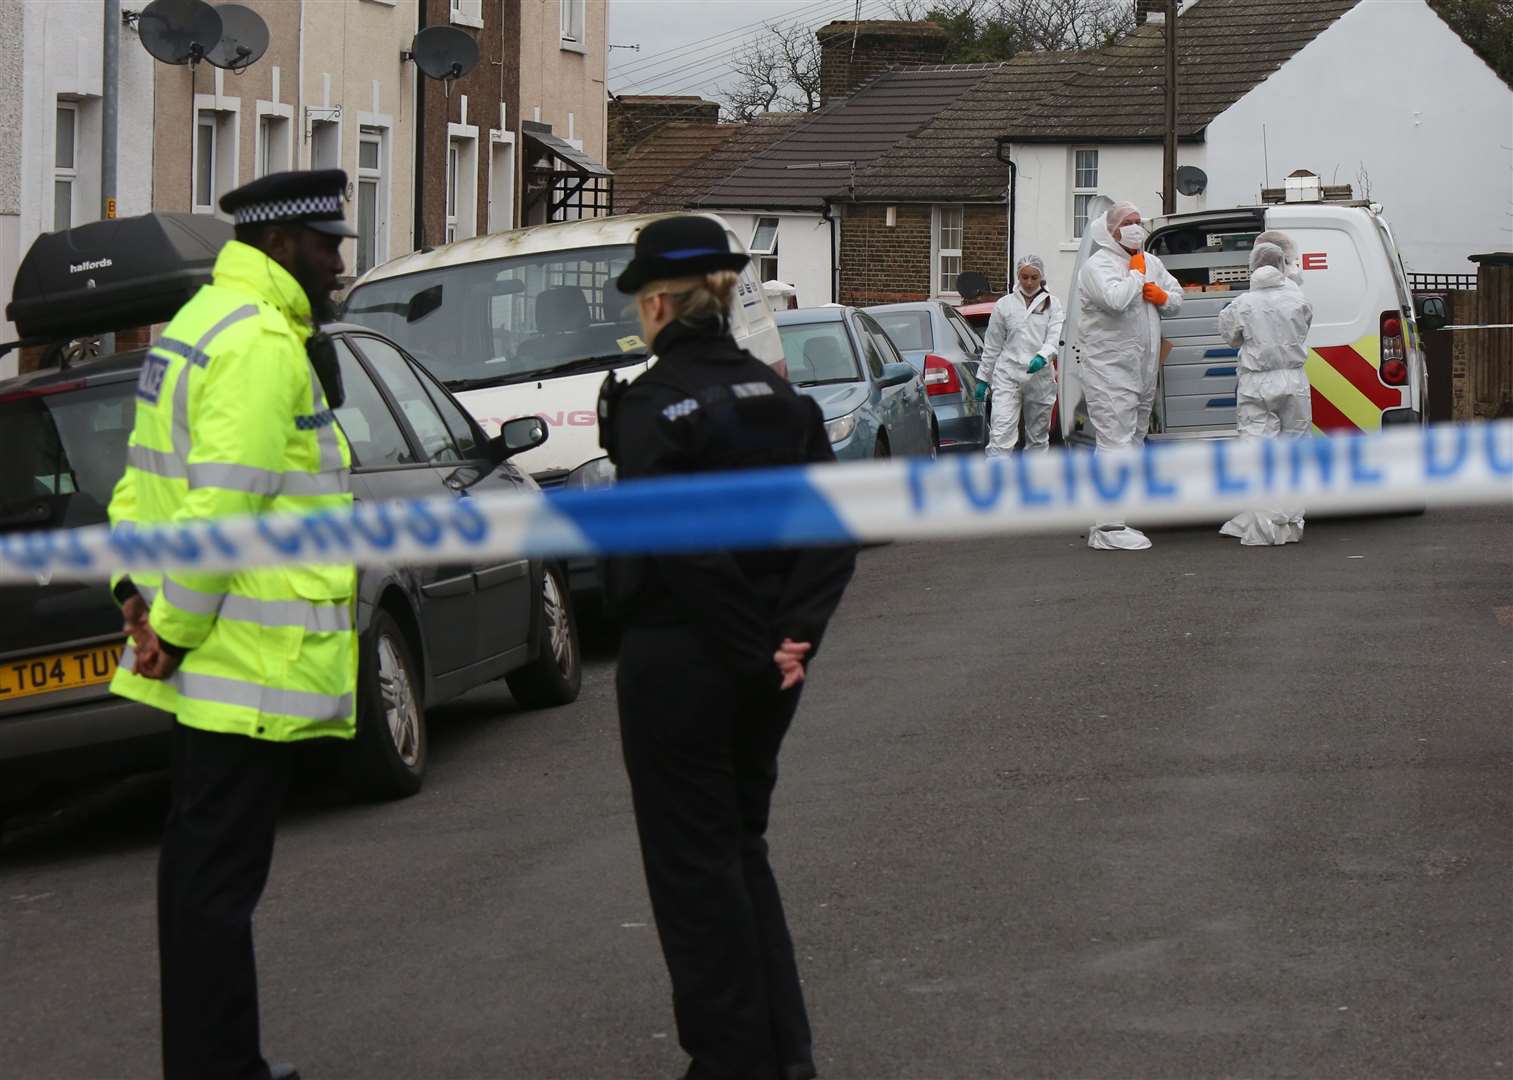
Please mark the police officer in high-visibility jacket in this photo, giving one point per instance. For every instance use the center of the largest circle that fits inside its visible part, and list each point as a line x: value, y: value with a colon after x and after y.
x: 234, y: 416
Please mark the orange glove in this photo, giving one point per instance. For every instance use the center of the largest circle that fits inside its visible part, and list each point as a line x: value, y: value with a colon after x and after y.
x: 1154, y: 294
x: 1137, y: 262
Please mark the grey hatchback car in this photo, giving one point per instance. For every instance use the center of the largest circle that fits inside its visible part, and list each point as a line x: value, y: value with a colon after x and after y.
x: 946, y: 351
x: 426, y: 633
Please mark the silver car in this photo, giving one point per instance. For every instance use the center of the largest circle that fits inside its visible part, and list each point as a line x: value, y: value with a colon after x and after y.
x: 874, y: 404
x: 946, y: 351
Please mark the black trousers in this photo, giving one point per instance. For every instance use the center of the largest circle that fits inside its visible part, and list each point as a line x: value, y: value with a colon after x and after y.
x: 217, y: 848
x: 702, y: 761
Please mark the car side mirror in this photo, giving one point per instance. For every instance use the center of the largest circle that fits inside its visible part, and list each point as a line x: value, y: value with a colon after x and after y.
x: 1433, y: 314
x: 522, y: 433
x: 896, y: 375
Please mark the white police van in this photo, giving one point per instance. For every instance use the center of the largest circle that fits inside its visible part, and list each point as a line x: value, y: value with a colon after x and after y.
x: 1366, y: 363
x: 528, y: 322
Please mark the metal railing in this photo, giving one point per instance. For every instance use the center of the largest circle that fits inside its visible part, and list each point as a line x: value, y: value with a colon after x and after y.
x: 1442, y: 282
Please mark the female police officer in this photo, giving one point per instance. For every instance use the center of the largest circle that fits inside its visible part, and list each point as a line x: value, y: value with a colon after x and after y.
x: 715, y: 646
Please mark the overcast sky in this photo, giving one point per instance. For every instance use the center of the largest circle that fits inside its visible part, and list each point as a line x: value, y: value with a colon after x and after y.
x: 686, y: 44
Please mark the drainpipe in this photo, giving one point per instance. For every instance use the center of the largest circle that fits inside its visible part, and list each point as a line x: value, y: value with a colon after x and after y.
x: 835, y: 254
x: 1003, y: 156
x: 110, y: 90
x: 420, y: 144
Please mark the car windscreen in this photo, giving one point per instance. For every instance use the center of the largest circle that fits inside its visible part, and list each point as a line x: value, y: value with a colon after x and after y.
x: 509, y: 320
x: 61, y: 454
x: 910, y: 330
x: 818, y: 353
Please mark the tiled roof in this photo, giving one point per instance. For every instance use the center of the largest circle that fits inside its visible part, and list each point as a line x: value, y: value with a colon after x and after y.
x: 664, y: 159
x: 680, y: 179
x: 858, y: 129
x: 955, y: 155
x: 1224, y: 49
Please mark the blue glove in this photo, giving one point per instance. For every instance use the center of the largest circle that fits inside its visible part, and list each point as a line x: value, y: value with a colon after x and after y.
x: 982, y: 390
x: 1037, y: 363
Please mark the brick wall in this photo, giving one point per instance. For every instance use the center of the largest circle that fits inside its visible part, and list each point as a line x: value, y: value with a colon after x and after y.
x: 634, y: 119
x: 883, y: 265
x: 985, y: 245
x: 879, y: 46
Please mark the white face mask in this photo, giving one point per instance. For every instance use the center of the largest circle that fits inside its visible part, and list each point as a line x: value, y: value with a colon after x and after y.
x: 1133, y: 236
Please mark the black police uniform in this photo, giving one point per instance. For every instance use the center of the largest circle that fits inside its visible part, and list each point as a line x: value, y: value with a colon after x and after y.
x: 227, y: 789
x: 701, y: 712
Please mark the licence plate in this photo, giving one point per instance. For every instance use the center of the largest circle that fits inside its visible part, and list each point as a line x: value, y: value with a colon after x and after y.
x: 58, y: 671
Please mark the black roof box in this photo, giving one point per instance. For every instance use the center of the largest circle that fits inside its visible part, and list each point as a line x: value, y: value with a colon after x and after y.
x: 113, y: 275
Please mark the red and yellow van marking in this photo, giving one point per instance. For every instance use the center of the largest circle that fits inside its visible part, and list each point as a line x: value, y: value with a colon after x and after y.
x: 1347, y: 392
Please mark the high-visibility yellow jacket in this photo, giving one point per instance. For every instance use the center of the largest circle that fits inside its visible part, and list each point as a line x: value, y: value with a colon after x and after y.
x: 231, y: 419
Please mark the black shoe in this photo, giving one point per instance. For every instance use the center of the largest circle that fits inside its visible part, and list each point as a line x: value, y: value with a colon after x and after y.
x: 282, y: 1072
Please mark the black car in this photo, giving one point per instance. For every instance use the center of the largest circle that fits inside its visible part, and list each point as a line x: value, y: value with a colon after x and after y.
x: 427, y: 633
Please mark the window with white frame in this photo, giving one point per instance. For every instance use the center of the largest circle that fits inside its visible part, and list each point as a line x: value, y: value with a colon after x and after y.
x: 1084, y: 187
x: 215, y: 134
x: 371, y: 198
x: 65, y: 165
x: 462, y: 187
x: 454, y: 167
x: 325, y: 144
x: 949, y: 227
x: 272, y: 144
x: 502, y: 183
x: 764, y: 248
x: 574, y: 16
x: 467, y: 12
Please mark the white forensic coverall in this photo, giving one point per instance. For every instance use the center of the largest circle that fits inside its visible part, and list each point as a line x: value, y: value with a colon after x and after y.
x: 1121, y: 353
x: 1269, y: 324
x: 1019, y: 329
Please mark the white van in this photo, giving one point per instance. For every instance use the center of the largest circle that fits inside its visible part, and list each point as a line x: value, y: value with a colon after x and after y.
x: 529, y: 322
x: 1366, y: 364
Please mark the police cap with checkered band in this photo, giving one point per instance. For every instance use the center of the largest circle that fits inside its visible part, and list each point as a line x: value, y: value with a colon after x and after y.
x: 312, y: 198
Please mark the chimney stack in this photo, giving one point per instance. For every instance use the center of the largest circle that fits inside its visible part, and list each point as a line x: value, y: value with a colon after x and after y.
x: 881, y: 45
x: 633, y: 118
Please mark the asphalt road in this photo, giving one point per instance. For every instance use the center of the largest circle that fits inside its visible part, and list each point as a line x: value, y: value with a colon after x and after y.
x: 1199, y: 811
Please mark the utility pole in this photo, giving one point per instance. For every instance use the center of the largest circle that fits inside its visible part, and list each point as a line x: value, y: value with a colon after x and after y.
x: 110, y: 88
x: 1169, y: 171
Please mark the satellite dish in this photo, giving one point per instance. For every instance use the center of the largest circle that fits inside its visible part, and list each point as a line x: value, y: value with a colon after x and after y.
x: 179, y: 31
x: 443, y: 52
x: 244, y: 38
x: 1191, y: 180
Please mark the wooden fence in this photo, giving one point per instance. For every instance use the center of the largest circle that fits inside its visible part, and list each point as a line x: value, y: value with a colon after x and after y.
x: 1482, y: 360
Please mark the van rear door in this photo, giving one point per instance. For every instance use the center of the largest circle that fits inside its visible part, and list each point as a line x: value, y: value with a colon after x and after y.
x: 1210, y: 254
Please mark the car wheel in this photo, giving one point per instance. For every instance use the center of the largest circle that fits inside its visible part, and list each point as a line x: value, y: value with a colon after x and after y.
x: 556, y: 675
x: 390, y: 751
x: 880, y: 448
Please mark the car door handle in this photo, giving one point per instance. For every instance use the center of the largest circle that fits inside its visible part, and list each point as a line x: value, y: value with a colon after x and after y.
x: 491, y: 577
x: 457, y: 586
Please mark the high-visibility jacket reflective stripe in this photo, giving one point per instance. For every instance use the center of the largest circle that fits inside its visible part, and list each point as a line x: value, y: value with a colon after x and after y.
x: 231, y: 419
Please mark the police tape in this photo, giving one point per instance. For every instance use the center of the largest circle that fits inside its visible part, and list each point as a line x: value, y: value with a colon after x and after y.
x: 1166, y: 482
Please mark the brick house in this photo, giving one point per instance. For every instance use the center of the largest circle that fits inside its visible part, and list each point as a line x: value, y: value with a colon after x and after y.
x: 785, y: 182
x: 1383, y: 95
x: 520, y: 139
x: 936, y: 204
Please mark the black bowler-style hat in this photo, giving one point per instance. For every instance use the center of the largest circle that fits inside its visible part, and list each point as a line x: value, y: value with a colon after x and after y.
x: 312, y: 198
x: 675, y: 247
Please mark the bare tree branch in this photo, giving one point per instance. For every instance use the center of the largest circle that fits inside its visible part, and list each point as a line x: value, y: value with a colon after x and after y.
x: 778, y: 72
x: 1068, y: 24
